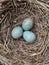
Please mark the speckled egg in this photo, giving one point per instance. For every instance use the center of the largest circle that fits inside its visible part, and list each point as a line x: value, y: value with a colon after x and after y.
x: 17, y: 32
x: 29, y: 36
x: 27, y: 24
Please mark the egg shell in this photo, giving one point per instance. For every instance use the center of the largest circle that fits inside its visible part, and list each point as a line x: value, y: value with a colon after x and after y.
x: 29, y: 36
x: 17, y: 32
x: 27, y: 24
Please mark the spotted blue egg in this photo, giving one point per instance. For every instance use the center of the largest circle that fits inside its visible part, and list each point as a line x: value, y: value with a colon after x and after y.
x: 27, y: 24
x: 17, y: 32
x: 29, y: 36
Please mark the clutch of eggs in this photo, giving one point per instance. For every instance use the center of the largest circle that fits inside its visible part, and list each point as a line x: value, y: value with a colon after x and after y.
x: 28, y: 36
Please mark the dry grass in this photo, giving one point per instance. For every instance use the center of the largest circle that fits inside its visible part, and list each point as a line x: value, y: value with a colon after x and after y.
x: 19, y: 52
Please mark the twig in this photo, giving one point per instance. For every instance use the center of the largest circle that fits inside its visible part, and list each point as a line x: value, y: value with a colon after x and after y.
x: 4, y: 18
x: 5, y: 44
x: 14, y: 3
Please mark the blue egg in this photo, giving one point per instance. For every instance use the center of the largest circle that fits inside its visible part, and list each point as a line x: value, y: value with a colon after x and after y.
x: 27, y: 24
x: 29, y: 36
x: 17, y: 32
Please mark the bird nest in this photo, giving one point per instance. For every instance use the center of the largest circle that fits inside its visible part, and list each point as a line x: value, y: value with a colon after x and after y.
x: 19, y: 52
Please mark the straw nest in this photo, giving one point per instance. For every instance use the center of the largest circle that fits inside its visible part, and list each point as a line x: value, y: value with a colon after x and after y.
x: 19, y: 52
